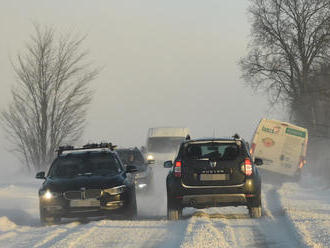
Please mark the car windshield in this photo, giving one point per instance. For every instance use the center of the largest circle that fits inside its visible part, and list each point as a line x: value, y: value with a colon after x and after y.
x: 213, y: 151
x: 97, y: 164
x: 164, y: 144
x: 130, y: 157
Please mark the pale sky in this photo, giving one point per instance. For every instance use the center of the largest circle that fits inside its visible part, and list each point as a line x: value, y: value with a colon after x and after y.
x: 166, y: 63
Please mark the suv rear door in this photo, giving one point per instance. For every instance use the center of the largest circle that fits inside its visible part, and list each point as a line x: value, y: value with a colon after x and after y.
x: 213, y: 163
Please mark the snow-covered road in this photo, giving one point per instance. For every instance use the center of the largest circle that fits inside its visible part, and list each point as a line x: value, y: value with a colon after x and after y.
x: 293, y: 217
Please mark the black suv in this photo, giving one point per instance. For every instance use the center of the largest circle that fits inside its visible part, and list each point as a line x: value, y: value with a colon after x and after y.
x: 213, y: 172
x: 87, y: 181
x: 144, y: 175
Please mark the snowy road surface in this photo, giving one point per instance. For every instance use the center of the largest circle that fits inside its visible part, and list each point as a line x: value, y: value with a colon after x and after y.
x: 293, y: 217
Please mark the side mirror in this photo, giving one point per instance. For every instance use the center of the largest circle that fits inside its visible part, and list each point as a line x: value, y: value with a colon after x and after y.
x: 258, y: 161
x: 168, y: 164
x: 40, y: 175
x: 131, y: 169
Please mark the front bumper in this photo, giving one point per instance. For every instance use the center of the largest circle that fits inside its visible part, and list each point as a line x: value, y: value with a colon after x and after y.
x: 61, y: 207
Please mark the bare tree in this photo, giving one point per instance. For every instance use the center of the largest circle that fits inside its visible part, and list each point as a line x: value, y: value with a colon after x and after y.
x: 290, y: 43
x: 50, y: 98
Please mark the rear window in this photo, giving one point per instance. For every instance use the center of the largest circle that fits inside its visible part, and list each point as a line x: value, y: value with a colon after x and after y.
x: 212, y: 150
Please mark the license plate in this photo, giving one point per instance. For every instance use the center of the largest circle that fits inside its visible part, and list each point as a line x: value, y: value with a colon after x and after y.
x: 214, y: 177
x: 85, y: 203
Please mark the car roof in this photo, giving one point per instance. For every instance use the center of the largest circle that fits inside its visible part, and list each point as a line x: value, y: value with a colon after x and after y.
x: 85, y: 151
x: 225, y: 139
x: 127, y: 149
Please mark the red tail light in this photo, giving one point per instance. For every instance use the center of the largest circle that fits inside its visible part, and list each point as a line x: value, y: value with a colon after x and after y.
x: 177, y: 169
x: 302, y: 162
x: 253, y: 148
x: 247, y: 167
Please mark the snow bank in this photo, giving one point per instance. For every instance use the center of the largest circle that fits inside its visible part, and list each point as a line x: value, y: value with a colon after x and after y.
x: 308, y: 208
x: 6, y: 225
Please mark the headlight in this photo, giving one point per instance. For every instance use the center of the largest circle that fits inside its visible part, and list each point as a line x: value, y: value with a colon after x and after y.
x: 47, y: 195
x: 150, y: 157
x: 116, y: 190
x: 141, y: 175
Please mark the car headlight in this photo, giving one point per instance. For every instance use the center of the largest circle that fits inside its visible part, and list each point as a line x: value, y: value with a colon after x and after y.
x: 141, y: 175
x: 116, y: 190
x: 48, y: 195
x: 150, y: 157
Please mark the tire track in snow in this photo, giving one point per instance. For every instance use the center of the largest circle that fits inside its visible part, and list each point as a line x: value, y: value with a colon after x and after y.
x: 73, y: 236
x: 53, y: 237
x: 275, y: 228
x: 202, y: 233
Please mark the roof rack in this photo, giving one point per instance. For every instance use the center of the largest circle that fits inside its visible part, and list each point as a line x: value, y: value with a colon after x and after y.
x: 109, y: 145
x: 236, y: 136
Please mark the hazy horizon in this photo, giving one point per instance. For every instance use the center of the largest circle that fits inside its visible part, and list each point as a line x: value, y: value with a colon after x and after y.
x: 172, y: 63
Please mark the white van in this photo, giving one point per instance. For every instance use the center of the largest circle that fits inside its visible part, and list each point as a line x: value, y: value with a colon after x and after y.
x: 282, y: 146
x: 162, y: 142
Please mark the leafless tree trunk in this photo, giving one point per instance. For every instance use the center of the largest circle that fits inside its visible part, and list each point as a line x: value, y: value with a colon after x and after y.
x: 50, y: 98
x: 290, y: 43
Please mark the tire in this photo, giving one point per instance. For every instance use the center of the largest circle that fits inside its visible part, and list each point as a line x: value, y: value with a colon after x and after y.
x: 173, y: 212
x: 255, y: 212
x: 255, y: 207
x: 132, y: 209
x: 47, y: 220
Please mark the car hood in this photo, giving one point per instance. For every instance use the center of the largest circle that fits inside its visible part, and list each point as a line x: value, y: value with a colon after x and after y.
x: 88, y: 182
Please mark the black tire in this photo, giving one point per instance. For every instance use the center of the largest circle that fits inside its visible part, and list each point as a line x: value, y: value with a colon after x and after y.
x: 255, y: 207
x: 132, y: 209
x: 174, y: 212
x: 47, y: 220
x: 255, y: 212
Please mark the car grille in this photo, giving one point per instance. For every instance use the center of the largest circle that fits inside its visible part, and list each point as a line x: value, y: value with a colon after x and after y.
x: 83, y: 194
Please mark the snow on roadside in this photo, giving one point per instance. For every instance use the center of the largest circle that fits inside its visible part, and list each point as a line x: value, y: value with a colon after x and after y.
x: 308, y: 208
x: 19, y: 201
x: 6, y: 225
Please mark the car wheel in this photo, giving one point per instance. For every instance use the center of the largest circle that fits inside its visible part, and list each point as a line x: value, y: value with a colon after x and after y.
x: 174, y: 212
x: 132, y: 209
x: 255, y: 212
x: 255, y: 207
x: 47, y: 220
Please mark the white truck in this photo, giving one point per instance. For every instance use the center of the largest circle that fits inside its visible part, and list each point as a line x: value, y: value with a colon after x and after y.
x: 282, y: 147
x: 163, y: 142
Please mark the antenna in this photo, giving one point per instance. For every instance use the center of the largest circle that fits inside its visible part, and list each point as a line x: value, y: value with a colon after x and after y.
x: 213, y: 132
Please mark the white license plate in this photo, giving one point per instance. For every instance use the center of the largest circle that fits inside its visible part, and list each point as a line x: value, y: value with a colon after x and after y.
x: 214, y: 177
x: 85, y: 203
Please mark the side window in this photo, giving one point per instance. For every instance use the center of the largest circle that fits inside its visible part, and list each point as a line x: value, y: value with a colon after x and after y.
x: 118, y: 161
x: 181, y: 150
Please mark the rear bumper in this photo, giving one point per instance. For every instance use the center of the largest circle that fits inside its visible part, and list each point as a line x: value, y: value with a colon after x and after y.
x: 210, y: 200
x: 202, y: 197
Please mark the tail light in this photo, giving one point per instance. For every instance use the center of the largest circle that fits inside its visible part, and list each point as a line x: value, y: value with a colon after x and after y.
x: 253, y: 148
x: 247, y: 167
x: 177, y: 169
x: 302, y: 162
